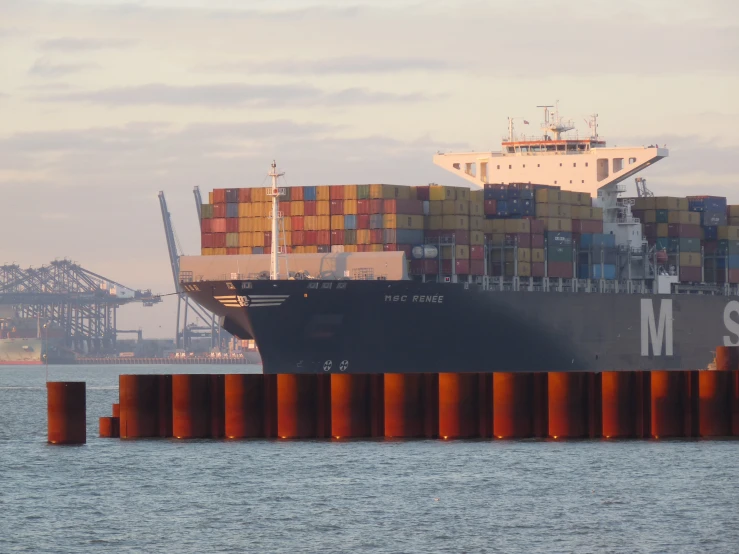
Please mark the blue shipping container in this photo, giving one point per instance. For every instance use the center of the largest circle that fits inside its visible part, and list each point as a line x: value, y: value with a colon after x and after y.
x: 232, y: 210
x: 583, y: 271
x: 501, y: 207
x: 257, y: 250
x: 712, y: 219
x: 711, y: 233
x: 350, y: 222
x: 558, y: 238
x: 402, y: 236
x: 586, y: 240
x: 309, y: 193
x: 376, y: 221
x: 609, y: 271
x: 601, y: 240
x: 707, y: 204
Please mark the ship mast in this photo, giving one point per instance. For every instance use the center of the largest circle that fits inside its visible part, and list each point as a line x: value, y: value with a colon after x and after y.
x: 275, y: 193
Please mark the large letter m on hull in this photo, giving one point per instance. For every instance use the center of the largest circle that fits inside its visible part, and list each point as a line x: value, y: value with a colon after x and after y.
x: 658, y: 333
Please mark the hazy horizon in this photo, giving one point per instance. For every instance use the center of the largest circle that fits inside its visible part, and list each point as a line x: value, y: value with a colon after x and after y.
x: 106, y: 103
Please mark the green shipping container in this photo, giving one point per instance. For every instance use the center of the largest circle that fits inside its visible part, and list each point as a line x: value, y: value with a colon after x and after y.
x: 232, y: 240
x: 206, y: 211
x: 683, y: 245
x: 363, y: 192
x: 559, y: 254
x: 662, y: 216
x: 728, y: 246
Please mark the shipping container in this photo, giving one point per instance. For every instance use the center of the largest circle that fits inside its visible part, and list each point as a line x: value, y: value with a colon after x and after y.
x: 687, y: 218
x: 557, y: 224
x: 690, y: 274
x: 523, y: 240
x: 681, y: 230
x: 363, y: 221
x: 456, y: 222
x: 690, y: 259
x: 350, y: 222
x: 713, y: 218
x: 559, y: 254
x: 206, y: 211
x: 350, y: 206
x: 558, y: 239
x: 402, y: 236
x: 707, y: 203
x: 666, y: 203
x: 537, y: 269
x: 336, y: 207
x: 409, y: 207
x: 537, y: 241
x: 560, y: 270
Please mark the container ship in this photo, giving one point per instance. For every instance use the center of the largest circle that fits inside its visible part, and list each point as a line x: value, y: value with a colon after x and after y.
x: 29, y: 341
x: 541, y: 264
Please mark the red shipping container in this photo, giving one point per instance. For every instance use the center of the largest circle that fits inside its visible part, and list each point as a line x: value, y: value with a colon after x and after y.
x: 399, y: 248
x: 218, y: 225
x: 298, y: 238
x: 710, y: 245
x: 462, y: 267
x: 424, y: 267
x: 336, y: 192
x: 219, y: 210
x: 423, y: 192
x: 560, y: 269
x: 219, y: 196
x: 284, y: 207
x: 309, y: 207
x: 460, y: 237
x: 219, y: 240
x: 337, y: 207
x: 323, y: 237
x: 405, y: 207
x: 691, y: 274
x: 491, y: 207
x: 268, y: 238
x: 595, y: 226
x: 376, y: 236
x: 432, y: 235
x: 375, y: 206
x: 537, y: 227
x: 363, y: 247
x: 734, y: 276
x: 244, y: 195
x: 232, y: 225
x: 537, y: 241
x: 337, y: 237
x: 296, y: 193
x: 363, y: 208
x: 683, y: 230
x: 537, y: 269
x: 524, y: 239
x: 232, y: 251
x: 206, y: 240
x: 205, y: 225
x: 297, y: 223
x: 363, y: 221
x: 650, y: 230
x: 311, y: 238
x: 577, y: 226
x: 477, y: 267
x: 267, y: 250
x: 477, y: 252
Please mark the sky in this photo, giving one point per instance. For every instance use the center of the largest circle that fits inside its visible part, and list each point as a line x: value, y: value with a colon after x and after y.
x: 105, y: 103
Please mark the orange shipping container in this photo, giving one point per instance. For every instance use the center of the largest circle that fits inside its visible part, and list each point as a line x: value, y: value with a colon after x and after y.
x: 323, y: 208
x: 310, y: 223
x: 210, y: 200
x: 311, y: 249
x: 350, y: 248
x: 257, y: 239
x: 244, y: 250
x: 363, y: 236
x: 337, y: 222
x: 219, y: 252
x: 350, y: 192
x: 350, y: 207
x: 244, y: 239
x: 297, y: 208
x: 323, y: 223
x: 323, y: 193
x: 259, y: 194
x: 206, y: 251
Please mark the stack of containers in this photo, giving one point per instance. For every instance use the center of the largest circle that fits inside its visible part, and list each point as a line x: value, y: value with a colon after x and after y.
x: 721, y: 238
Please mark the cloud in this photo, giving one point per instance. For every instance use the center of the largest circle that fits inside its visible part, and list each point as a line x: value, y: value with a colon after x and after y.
x: 44, y: 67
x: 335, y: 66
x: 71, y: 44
x: 229, y: 95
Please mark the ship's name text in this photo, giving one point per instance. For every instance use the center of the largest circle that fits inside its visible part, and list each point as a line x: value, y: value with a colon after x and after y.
x: 423, y: 298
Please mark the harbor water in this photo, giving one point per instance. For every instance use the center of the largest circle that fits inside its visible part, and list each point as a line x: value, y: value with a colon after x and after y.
x: 339, y: 496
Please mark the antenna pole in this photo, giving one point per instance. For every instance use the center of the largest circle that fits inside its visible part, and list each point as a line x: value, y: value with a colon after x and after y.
x: 275, y: 193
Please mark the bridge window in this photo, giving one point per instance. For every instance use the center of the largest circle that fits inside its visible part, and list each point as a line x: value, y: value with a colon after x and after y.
x: 560, y: 164
x: 498, y: 167
x: 602, y: 169
x: 632, y: 160
x: 538, y: 165
x: 455, y: 166
x: 574, y: 164
x: 586, y: 164
x: 510, y: 167
x: 618, y: 164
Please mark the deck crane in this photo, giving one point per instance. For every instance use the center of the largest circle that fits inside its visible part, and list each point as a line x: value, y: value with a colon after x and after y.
x: 198, y: 204
x: 185, y: 332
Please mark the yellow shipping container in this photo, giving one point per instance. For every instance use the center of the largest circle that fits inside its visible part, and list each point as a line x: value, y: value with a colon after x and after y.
x: 323, y: 223
x: 389, y: 192
x: 310, y: 223
x: 524, y: 269
x: 582, y: 199
x: 728, y: 232
x: 259, y: 194
x: 488, y: 225
x: 498, y: 225
x: 663, y: 230
x: 477, y: 223
x: 438, y: 192
x: 376, y: 247
x: 477, y: 238
x: 524, y: 254
x: 456, y: 222
x: 245, y: 209
x: 477, y: 208
x: 548, y: 196
x: 596, y: 214
x: 244, y: 239
x: 477, y: 196
x: 363, y: 236
x: 682, y: 204
x: 460, y: 252
x: 299, y: 250
x: 498, y: 239
x: 734, y: 220
x: 435, y: 222
x: 690, y: 259
x: 554, y: 210
x: 732, y: 210
x: 311, y: 249
x: 350, y: 207
x: 567, y: 197
x: 455, y: 207
x: 287, y: 224
x: 463, y: 193
x: 323, y: 193
x: 323, y: 208
x: 666, y: 203
x: 210, y: 201
x: 337, y: 222
x: 436, y: 207
x: 206, y: 251
x: 350, y: 248
x: 245, y: 250
x: 399, y: 221
x: 517, y: 225
x: 350, y: 193
x: 286, y: 237
x: 537, y: 255
x: 219, y: 252
x: 297, y: 208
x: 686, y: 218
x: 650, y: 216
x: 257, y: 239
x: 557, y: 224
x: 244, y: 225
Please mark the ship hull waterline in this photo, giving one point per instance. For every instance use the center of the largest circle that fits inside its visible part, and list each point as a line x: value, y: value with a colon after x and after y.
x: 410, y: 327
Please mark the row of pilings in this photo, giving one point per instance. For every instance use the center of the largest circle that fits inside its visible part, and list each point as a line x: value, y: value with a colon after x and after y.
x: 657, y: 404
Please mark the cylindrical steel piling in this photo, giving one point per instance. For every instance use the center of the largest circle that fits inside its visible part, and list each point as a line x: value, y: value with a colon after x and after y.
x: 109, y: 427
x: 619, y: 406
x: 139, y: 406
x: 715, y: 403
x: 727, y: 358
x: 568, y: 405
x: 297, y: 403
x: 116, y: 410
x: 164, y: 382
x: 513, y: 395
x: 404, y: 410
x: 351, y: 405
x: 191, y: 406
x: 66, y: 412
x: 217, y: 406
x: 244, y: 406
x: 458, y: 397
x: 668, y: 406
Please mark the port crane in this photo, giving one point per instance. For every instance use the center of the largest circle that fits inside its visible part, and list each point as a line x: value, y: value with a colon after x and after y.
x: 184, y: 332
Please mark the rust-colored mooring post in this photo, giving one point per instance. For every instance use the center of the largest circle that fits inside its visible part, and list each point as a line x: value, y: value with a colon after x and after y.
x: 404, y: 409
x: 66, y: 405
x: 116, y: 411
x: 244, y: 406
x: 668, y: 404
x: 715, y: 403
x: 191, y: 397
x: 568, y: 405
x: 727, y: 358
x: 109, y: 427
x: 297, y: 406
x: 351, y: 405
x: 458, y: 401
x: 619, y: 404
x: 513, y: 396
